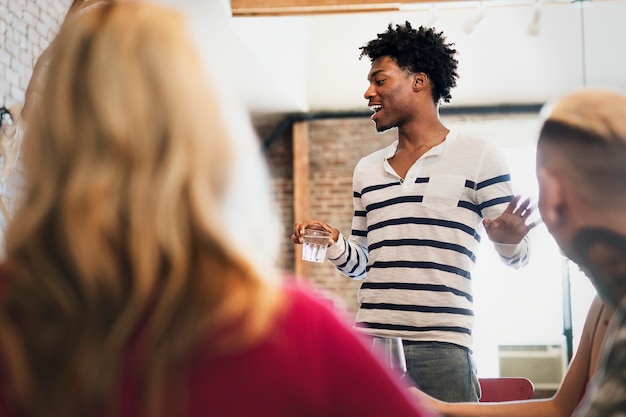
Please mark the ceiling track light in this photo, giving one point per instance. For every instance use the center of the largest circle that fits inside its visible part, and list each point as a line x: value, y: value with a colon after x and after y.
x: 470, y: 25
x: 534, y: 27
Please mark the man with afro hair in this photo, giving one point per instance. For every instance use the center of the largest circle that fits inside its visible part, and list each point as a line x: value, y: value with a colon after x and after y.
x: 420, y: 205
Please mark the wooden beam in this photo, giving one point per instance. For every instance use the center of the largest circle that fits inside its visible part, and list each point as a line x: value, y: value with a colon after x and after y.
x: 291, y: 7
x: 301, y: 189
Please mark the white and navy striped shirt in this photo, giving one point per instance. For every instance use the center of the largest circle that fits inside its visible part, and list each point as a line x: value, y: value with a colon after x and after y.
x: 414, y: 241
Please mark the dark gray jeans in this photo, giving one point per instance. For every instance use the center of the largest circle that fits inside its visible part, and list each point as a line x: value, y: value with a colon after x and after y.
x: 443, y: 370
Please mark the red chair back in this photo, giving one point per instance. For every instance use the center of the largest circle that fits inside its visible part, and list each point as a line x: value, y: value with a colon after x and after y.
x: 505, y: 389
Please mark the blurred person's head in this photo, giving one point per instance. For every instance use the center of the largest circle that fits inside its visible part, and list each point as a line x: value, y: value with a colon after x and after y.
x: 581, y: 170
x: 124, y: 231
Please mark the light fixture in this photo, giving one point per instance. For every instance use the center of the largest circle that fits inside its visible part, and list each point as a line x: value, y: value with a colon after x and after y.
x: 534, y: 27
x: 469, y: 26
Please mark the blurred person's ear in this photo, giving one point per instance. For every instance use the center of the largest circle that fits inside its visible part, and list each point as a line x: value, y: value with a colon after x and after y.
x: 551, y: 199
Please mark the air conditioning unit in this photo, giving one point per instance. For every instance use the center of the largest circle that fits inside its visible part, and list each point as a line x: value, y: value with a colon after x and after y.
x: 544, y: 365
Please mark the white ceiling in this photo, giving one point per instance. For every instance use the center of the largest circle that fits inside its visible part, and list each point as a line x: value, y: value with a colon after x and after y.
x: 295, y: 64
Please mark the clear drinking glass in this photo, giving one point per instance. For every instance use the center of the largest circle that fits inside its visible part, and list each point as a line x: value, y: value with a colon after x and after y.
x: 391, y: 351
x: 314, y: 244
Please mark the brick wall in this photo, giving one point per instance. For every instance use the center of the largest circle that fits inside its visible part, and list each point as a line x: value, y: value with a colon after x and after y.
x: 336, y: 145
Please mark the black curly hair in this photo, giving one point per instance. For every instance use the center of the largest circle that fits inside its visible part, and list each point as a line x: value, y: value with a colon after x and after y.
x: 421, y: 50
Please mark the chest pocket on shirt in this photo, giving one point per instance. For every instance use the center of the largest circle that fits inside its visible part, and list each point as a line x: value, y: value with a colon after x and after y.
x: 443, y: 191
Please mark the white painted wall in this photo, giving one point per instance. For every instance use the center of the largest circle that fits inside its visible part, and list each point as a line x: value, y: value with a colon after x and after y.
x: 500, y: 62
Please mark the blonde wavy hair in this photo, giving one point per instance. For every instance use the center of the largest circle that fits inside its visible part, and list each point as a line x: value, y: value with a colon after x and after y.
x: 121, y: 233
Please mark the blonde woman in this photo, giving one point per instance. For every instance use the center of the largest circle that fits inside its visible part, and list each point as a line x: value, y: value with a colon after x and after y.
x: 125, y: 292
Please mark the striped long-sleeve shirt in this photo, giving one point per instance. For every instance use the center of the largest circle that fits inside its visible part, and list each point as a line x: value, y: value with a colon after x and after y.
x: 414, y: 240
